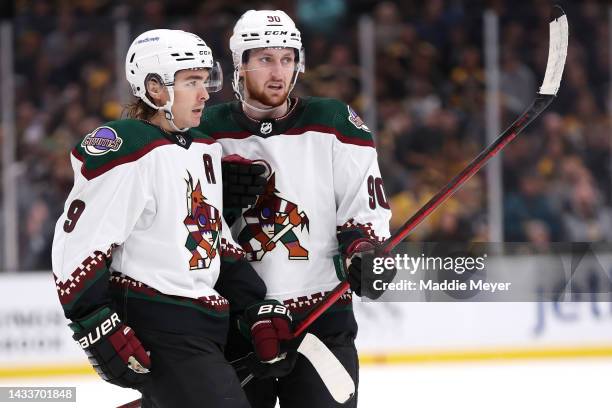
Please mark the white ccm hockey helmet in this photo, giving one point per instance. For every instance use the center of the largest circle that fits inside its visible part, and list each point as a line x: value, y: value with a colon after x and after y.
x: 264, y: 29
x: 162, y: 53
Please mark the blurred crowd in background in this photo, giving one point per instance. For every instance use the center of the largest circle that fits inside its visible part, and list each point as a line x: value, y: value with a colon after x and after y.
x: 430, y: 100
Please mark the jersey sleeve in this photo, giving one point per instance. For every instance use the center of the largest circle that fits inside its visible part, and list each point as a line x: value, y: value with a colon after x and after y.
x: 99, y: 214
x: 238, y: 282
x: 362, y: 209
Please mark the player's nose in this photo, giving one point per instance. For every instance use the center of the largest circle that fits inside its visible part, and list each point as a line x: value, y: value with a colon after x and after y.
x: 277, y: 69
x: 203, y: 95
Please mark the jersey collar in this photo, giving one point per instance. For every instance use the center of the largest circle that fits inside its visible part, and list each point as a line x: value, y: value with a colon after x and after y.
x: 271, y: 126
x: 182, y: 139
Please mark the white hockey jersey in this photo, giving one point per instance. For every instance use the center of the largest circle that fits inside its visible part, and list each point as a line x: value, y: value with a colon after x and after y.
x: 324, y: 186
x: 146, y: 206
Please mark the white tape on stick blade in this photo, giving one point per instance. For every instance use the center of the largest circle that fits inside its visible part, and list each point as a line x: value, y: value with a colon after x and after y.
x: 332, y: 372
x: 557, y: 52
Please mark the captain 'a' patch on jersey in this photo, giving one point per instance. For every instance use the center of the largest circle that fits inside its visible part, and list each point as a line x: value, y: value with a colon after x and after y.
x: 272, y: 221
x: 204, y: 225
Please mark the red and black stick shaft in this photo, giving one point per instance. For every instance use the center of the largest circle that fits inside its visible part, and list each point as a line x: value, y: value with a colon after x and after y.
x: 537, y: 107
x: 541, y: 102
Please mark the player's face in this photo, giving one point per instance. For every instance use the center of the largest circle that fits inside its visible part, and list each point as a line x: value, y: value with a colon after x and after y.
x: 190, y: 96
x: 268, y: 74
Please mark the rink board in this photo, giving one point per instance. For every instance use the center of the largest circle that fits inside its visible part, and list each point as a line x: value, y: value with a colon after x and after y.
x: 35, y: 340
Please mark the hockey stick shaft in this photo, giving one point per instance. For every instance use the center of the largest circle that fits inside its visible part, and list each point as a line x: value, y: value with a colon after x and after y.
x: 557, y: 54
x: 538, y: 106
x: 133, y: 404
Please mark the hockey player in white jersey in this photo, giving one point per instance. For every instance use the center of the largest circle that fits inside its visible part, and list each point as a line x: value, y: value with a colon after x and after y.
x: 144, y: 264
x: 323, y: 196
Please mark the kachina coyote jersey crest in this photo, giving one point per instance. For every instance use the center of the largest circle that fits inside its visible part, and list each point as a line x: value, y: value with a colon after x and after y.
x: 271, y: 223
x: 204, y: 224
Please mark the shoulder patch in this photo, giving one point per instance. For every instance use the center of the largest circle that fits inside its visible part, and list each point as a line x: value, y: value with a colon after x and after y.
x: 328, y: 115
x: 101, y: 141
x: 354, y: 118
x: 116, y: 143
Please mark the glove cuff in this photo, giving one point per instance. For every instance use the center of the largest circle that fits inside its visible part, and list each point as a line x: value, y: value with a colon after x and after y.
x: 360, y: 245
x: 91, y: 320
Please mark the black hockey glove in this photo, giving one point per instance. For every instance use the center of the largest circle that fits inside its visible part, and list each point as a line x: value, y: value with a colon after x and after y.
x: 113, y: 349
x: 269, y: 323
x: 359, y: 271
x: 243, y: 181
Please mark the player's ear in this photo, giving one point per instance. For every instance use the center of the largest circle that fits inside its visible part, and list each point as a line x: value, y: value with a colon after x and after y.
x: 155, y: 89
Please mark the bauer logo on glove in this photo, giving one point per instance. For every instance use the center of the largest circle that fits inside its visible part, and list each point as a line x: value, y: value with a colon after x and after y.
x: 269, y: 323
x: 113, y: 349
x: 100, y: 330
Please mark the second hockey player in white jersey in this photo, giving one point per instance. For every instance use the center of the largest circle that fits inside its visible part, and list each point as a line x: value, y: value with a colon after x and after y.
x: 323, y: 194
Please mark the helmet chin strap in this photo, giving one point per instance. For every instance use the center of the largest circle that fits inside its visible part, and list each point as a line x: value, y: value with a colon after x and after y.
x: 237, y: 91
x: 166, y: 109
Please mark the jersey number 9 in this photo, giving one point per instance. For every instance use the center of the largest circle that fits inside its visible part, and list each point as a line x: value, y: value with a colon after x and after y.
x: 73, y: 214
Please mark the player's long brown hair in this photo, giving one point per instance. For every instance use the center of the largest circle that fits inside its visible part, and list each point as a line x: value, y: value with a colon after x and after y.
x: 139, y: 110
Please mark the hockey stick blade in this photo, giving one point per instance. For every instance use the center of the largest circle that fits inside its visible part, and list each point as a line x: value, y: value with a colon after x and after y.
x: 333, y: 374
x: 557, y: 54
x: 335, y: 377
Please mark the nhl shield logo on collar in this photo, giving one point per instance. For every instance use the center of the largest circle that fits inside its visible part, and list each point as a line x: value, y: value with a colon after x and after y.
x: 266, y: 128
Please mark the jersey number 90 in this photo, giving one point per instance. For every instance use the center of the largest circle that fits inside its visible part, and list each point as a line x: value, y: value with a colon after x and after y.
x: 376, y: 193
